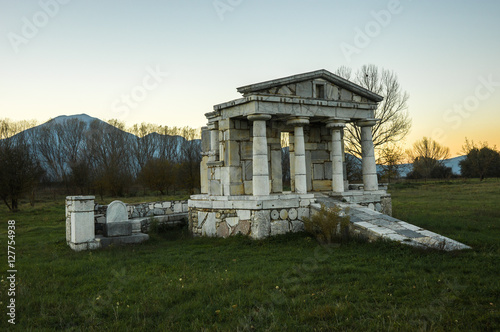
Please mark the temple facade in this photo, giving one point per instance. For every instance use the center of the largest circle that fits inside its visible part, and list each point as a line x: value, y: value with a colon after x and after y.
x: 241, y: 168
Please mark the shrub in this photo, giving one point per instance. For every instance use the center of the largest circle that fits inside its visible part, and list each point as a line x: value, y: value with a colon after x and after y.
x: 328, y: 225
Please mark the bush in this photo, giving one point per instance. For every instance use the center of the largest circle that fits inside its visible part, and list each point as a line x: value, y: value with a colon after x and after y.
x: 328, y: 225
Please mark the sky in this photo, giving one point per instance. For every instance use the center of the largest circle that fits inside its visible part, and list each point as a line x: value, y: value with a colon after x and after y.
x: 168, y: 62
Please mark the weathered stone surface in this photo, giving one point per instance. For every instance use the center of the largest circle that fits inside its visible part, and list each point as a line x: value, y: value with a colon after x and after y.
x: 223, y: 230
x: 261, y: 225
x: 243, y: 227
x: 297, y: 226
x: 243, y: 214
x: 279, y: 227
x: 292, y: 214
x: 118, y: 228
x: 318, y: 172
x: 283, y: 214
x: 208, y: 228
x: 275, y: 214
x: 117, y: 212
x: 232, y: 221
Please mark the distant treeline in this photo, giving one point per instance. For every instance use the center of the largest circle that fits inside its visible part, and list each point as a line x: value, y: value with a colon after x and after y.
x: 97, y: 158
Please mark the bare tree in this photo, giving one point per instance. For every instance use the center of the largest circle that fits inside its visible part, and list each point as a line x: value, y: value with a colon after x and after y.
x: 427, y: 154
x: 190, y: 158
x: 145, y: 145
x: 108, y: 155
x: 391, y: 157
x: 49, y: 151
x: 20, y: 172
x: 394, y: 123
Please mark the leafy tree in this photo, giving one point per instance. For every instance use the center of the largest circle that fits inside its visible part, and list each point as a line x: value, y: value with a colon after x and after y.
x: 481, y: 161
x: 394, y: 123
x: 20, y: 172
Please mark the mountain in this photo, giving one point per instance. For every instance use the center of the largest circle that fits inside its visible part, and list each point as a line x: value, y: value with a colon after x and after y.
x: 453, y: 163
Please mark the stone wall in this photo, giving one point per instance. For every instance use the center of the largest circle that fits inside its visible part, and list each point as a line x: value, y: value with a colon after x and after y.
x: 150, y: 209
x: 257, y: 218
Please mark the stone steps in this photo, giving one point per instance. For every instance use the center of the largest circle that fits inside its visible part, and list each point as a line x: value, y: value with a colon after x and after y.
x: 375, y: 225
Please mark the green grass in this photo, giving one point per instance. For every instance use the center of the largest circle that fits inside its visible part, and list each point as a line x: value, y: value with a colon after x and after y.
x: 175, y: 282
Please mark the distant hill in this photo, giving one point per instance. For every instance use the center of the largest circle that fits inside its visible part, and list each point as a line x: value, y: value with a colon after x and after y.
x: 453, y: 163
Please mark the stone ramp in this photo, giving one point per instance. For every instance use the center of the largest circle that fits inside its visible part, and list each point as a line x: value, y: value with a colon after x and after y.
x: 375, y: 225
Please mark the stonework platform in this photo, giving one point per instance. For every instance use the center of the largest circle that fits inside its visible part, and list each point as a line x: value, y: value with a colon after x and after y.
x: 375, y: 225
x: 135, y: 238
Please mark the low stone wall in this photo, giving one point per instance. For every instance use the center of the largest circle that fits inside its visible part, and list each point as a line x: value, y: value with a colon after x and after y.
x: 149, y: 209
x: 253, y: 216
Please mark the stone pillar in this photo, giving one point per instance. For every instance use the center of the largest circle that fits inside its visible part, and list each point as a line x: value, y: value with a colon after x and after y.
x: 300, y: 154
x: 337, y: 154
x: 80, y: 229
x: 214, y: 141
x: 369, y: 166
x: 260, y: 163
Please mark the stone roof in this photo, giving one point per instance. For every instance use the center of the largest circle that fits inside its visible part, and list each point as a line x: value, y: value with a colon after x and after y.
x: 318, y: 74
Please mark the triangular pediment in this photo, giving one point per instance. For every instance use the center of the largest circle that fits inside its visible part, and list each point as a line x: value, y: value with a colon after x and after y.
x: 319, y: 84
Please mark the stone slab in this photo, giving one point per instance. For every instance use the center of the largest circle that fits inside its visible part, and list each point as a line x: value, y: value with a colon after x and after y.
x: 122, y: 228
x: 121, y: 240
x: 116, y: 212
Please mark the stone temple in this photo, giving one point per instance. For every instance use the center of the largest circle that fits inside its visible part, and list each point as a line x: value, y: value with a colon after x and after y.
x: 241, y: 168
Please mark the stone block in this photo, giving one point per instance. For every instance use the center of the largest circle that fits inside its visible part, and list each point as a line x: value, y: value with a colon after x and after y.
x: 247, y: 170
x: 208, y: 228
x: 279, y: 227
x: 82, y: 228
x: 318, y: 172
x: 248, y: 186
x: 117, y: 212
x: 243, y: 214
x: 232, y: 152
x: 238, y: 135
x: 297, y: 226
x: 261, y: 225
x: 232, y: 221
x: 223, y: 230
x: 328, y: 170
x: 303, y: 213
x: 158, y: 212
x: 314, y: 135
x: 215, y: 188
x: 322, y: 185
x: 246, y: 150
x: 118, y: 228
x: 243, y: 228
x: 280, y: 203
x: 320, y: 155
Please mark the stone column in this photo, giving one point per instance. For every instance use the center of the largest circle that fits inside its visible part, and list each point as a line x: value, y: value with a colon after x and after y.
x: 369, y: 166
x: 300, y: 153
x: 337, y: 127
x: 80, y: 233
x: 260, y: 163
x: 214, y: 141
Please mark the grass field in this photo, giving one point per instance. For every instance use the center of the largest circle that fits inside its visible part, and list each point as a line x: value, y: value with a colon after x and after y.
x: 176, y: 283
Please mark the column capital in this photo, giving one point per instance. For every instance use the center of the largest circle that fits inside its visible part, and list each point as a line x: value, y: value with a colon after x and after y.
x: 367, y: 122
x: 259, y: 117
x: 336, y: 123
x: 298, y: 121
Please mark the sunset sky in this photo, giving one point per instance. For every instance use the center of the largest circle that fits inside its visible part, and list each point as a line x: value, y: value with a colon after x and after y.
x: 168, y: 62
